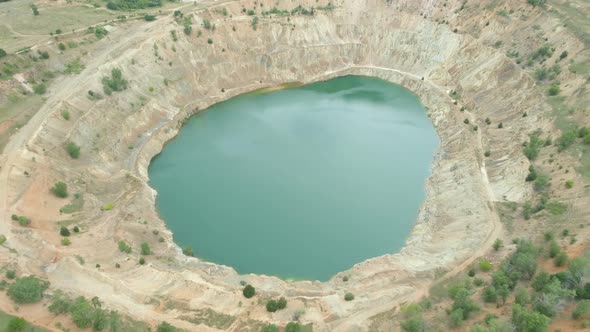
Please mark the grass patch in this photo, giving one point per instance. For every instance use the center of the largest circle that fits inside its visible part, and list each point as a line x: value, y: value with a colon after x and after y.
x: 556, y: 208
x: 6, y: 318
x: 210, y: 318
x: 74, y: 206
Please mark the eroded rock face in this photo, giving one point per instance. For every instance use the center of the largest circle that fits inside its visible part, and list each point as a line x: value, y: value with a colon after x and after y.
x: 119, y: 135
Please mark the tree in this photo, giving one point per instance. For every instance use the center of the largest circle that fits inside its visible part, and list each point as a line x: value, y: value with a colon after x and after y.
x: 552, y: 298
x: 61, y: 46
x: 60, y: 190
x: 82, y: 313
x: 248, y: 291
x: 348, y: 297
x: 462, y: 300
x: 60, y: 303
x: 2, y: 53
x: 16, y: 324
x: 73, y: 150
x: 27, y: 290
x: 529, y: 321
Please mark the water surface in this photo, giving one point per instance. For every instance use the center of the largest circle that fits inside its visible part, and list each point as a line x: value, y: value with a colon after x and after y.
x: 300, y: 183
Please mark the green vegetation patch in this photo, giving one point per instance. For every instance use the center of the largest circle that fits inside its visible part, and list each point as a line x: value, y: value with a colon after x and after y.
x: 74, y: 206
x: 133, y: 4
x: 210, y: 318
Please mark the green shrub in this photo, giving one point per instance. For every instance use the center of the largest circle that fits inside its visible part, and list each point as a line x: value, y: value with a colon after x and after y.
x: 124, y: 247
x: 73, y: 150
x: 561, y: 259
x: 456, y: 318
x: 525, y: 320
x: 569, y: 184
x: 145, y: 249
x: 60, y: 189
x: 141, y: 261
x: 66, y: 241
x: 554, y: 90
x: 40, y: 89
x: 60, y: 303
x: 554, y: 249
x: 2, y: 53
x: 132, y: 4
x: 27, y: 290
x: 498, y: 244
x: 64, y: 231
x: 76, y: 229
x: 115, y: 83
x: 188, y: 251
x: 107, y: 207
x: 541, y: 182
x: 22, y: 220
x: 522, y: 297
x: 566, y: 139
x: 548, y: 236
x: 61, y: 46
x: 100, y: 32
x: 532, y: 147
x: 209, y: 41
x: 248, y: 291
x: 281, y: 303
x: 271, y: 306
x: 16, y: 324
x: 149, y: 17
x: 478, y: 282
x: 485, y: 265
x: 65, y: 115
x: 165, y: 327
x: 582, y: 308
x: 348, y: 297
x: 489, y: 294
x: 294, y: 327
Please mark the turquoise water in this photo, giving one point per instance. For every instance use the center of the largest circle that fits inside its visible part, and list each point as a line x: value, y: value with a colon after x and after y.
x: 300, y: 183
